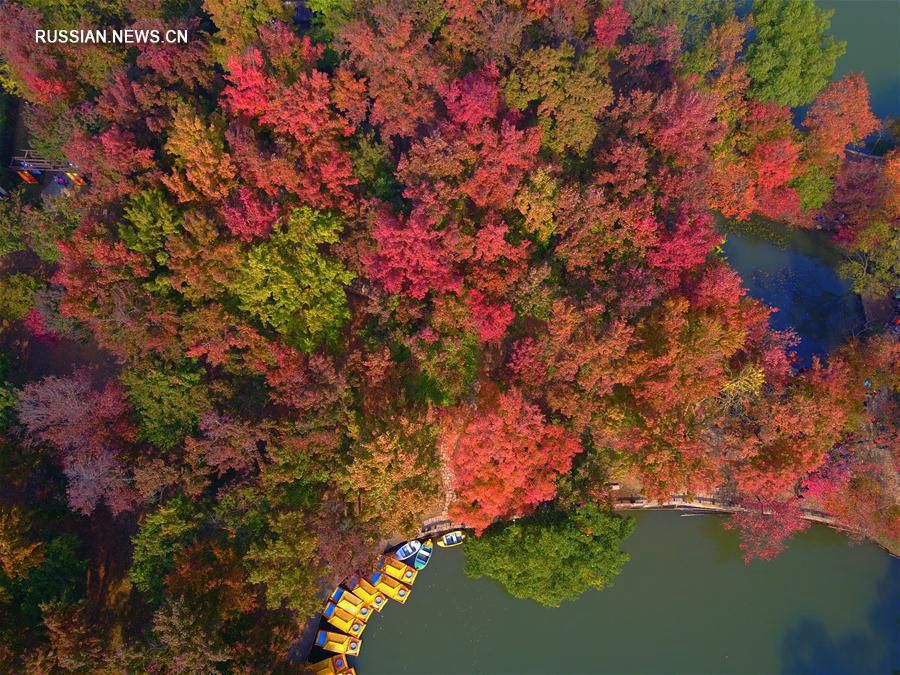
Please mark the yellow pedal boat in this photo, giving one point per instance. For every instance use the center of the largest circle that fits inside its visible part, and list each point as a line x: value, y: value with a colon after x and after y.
x: 338, y: 642
x: 343, y: 620
x: 390, y: 587
x: 336, y: 665
x: 399, y: 570
x: 363, y: 589
x: 351, y: 603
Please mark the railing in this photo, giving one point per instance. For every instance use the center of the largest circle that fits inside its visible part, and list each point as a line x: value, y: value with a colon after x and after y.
x: 29, y: 159
x: 443, y: 523
x: 706, y: 502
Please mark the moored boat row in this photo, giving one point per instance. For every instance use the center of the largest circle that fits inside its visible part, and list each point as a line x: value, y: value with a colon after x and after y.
x: 351, y: 604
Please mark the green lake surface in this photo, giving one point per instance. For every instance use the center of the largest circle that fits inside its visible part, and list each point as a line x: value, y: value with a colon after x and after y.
x: 871, y: 29
x: 684, y: 603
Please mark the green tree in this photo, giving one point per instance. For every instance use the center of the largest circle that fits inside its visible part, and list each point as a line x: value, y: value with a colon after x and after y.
x: 814, y: 186
x: 202, y: 169
x: 160, y: 536
x: 373, y: 167
x: 572, y: 92
x: 330, y: 15
x: 237, y: 21
x: 17, y: 296
x: 553, y: 556
x: 43, y: 227
x: 873, y: 264
x: 286, y: 564
x: 7, y: 395
x: 7, y: 404
x: 18, y: 554
x: 790, y: 59
x: 168, y: 401
x: 59, y: 576
x: 291, y: 286
x: 11, y: 223
x: 149, y: 221
x: 449, y: 364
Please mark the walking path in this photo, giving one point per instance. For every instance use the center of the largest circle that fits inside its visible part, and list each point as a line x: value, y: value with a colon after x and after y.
x: 709, y: 503
x: 446, y: 477
x: 444, y: 523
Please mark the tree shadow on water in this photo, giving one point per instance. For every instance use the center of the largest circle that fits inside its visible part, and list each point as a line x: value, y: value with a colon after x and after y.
x: 809, y: 648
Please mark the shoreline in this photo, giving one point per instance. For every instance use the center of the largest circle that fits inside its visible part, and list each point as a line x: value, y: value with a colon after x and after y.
x: 443, y: 523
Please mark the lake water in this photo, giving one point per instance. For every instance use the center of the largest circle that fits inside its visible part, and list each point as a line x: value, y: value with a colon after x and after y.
x: 684, y: 603
x: 795, y: 271
x: 871, y: 29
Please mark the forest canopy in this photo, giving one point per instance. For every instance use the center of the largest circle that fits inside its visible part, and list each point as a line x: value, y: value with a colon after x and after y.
x: 333, y: 268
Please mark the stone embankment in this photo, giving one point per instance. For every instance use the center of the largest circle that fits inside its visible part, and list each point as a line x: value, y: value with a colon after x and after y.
x: 708, y: 503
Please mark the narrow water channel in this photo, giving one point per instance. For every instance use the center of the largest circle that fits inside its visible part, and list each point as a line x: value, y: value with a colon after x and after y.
x: 795, y: 271
x: 684, y: 603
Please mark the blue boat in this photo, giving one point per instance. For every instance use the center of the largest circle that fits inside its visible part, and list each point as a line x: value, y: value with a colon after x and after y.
x: 408, y: 550
x: 424, y: 555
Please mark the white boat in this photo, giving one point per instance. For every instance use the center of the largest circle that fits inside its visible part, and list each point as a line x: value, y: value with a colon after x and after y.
x: 408, y: 550
x: 454, y: 538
